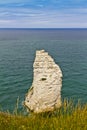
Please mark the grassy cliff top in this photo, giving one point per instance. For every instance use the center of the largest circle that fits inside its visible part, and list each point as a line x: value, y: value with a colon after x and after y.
x: 69, y: 117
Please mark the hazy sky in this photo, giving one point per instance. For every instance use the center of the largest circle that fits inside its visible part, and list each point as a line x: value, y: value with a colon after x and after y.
x: 43, y: 13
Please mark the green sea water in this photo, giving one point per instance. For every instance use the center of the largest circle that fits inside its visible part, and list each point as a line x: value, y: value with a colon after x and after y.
x: 68, y: 47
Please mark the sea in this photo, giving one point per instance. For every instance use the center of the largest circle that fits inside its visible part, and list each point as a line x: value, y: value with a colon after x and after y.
x: 68, y: 47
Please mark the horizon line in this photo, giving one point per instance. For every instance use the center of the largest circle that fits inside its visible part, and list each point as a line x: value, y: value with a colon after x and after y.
x: 43, y: 28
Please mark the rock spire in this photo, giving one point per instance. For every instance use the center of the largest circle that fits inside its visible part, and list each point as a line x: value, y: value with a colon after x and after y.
x: 45, y: 93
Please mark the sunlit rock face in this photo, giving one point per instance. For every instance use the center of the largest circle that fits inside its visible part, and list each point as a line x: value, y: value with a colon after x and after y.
x: 45, y: 92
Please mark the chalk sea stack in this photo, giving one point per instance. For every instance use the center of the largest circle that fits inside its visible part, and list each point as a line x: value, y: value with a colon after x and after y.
x: 45, y: 93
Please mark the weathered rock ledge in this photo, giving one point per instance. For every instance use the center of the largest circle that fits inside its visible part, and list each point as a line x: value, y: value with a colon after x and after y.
x: 45, y: 92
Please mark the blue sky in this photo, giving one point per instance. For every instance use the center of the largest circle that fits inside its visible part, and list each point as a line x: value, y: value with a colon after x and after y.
x: 43, y: 13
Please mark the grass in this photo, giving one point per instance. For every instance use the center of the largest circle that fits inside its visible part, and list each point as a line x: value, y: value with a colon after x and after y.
x: 68, y: 117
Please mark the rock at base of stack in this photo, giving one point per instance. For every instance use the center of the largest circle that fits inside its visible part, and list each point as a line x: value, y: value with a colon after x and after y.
x: 45, y: 92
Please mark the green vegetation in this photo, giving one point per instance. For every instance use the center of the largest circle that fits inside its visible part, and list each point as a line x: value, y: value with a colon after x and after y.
x: 68, y: 117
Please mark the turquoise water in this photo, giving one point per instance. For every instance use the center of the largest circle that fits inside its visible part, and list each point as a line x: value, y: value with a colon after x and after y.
x: 17, y: 51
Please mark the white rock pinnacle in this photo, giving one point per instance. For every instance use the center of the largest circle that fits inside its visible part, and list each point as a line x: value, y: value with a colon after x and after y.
x: 45, y: 92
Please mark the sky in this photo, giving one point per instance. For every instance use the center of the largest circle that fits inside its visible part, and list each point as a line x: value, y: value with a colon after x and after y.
x: 43, y: 13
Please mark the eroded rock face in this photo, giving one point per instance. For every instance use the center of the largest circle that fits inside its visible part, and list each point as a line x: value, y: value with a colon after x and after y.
x: 45, y: 92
